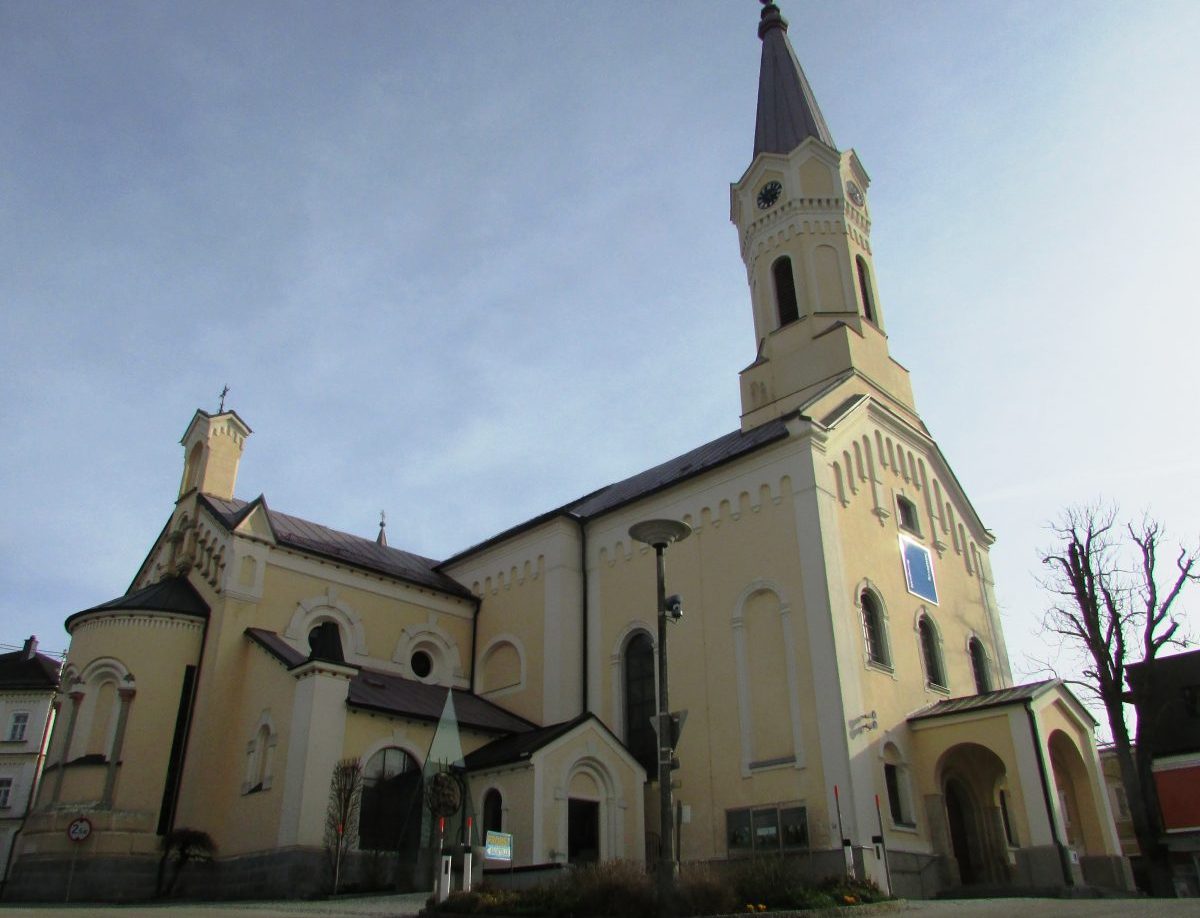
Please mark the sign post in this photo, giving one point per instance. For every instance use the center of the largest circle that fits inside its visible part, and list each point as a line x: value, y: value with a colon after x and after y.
x: 79, y: 830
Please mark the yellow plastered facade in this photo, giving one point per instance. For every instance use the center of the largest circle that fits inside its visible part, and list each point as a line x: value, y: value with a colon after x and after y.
x: 840, y: 655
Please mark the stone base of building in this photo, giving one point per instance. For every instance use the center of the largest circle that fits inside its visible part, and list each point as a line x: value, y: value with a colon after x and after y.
x: 294, y: 873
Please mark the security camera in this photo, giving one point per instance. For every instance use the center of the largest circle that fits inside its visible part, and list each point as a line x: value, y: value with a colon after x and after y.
x: 675, y: 607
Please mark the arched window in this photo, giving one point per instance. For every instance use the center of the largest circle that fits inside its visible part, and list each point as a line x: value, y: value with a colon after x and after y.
x: 191, y: 468
x: 930, y: 654
x: 260, y: 752
x: 899, y: 794
x: 325, y: 643
x: 785, y: 290
x: 493, y: 811
x: 979, y: 666
x: 640, y: 702
x: 390, y: 814
x: 873, y: 629
x: 103, y: 719
x: 864, y: 288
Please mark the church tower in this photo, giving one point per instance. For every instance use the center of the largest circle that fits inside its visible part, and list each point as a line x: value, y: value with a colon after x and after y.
x: 804, y: 225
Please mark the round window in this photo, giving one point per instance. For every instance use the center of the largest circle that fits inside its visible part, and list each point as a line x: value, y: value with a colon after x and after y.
x: 421, y: 664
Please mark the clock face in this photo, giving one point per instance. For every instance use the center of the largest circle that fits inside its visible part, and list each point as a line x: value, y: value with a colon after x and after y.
x: 769, y: 194
x: 855, y: 194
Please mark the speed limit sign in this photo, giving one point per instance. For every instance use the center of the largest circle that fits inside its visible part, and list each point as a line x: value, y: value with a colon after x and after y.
x: 79, y: 829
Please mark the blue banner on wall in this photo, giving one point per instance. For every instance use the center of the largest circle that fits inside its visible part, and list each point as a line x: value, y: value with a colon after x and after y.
x: 918, y: 570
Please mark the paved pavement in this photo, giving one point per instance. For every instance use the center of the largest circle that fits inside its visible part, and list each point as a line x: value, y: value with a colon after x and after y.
x: 410, y: 904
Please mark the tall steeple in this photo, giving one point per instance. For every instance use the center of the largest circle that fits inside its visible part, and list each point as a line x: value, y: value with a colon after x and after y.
x: 804, y: 225
x: 787, y: 109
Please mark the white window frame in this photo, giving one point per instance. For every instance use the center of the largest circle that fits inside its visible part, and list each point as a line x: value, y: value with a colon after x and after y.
x: 6, y: 788
x: 18, y: 718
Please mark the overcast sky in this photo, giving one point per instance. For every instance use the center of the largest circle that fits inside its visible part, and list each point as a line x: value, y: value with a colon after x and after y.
x: 467, y: 261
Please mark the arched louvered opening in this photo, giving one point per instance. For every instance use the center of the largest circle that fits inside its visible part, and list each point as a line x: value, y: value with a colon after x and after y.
x: 785, y: 291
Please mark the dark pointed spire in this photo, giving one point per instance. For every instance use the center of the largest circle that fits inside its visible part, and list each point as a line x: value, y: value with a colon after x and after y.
x: 381, y: 539
x: 787, y: 109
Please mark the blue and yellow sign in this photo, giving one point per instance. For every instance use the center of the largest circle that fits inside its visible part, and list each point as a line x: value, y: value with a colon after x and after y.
x: 497, y: 846
x: 918, y: 570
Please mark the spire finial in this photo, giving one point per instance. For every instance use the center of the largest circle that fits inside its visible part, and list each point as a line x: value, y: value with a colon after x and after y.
x: 770, y: 18
x: 221, y: 407
x: 381, y: 539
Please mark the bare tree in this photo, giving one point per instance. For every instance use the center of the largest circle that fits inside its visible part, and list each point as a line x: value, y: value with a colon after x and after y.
x: 341, y: 818
x: 1116, y: 606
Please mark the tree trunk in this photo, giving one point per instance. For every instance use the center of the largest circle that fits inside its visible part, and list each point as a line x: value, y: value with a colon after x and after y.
x: 1142, y: 797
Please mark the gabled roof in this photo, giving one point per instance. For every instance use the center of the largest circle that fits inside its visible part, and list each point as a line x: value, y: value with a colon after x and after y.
x: 521, y: 746
x: 788, y: 113
x: 387, y: 693
x: 171, y: 594
x: 313, y: 538
x: 1017, y: 694
x: 688, y: 465
x: 19, y: 670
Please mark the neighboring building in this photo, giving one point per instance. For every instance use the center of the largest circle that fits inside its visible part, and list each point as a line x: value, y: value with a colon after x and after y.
x: 1167, y: 695
x: 841, y: 643
x: 1119, y: 804
x: 28, y: 681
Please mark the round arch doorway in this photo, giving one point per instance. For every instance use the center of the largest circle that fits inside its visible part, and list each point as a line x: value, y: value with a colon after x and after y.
x: 972, y: 778
x: 961, y: 817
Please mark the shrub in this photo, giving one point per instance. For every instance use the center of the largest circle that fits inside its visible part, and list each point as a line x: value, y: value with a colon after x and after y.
x: 702, y: 892
x: 180, y: 847
x: 846, y: 887
x: 612, y: 888
x: 776, y: 883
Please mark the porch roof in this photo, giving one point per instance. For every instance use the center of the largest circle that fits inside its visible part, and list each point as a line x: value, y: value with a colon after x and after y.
x: 1016, y: 694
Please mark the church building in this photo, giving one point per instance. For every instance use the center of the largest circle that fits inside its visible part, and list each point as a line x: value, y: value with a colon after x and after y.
x: 840, y: 655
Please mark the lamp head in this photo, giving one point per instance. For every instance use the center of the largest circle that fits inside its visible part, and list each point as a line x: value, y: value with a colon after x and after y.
x: 659, y: 533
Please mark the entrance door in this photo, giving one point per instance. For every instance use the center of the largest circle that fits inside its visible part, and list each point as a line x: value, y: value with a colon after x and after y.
x: 959, y: 815
x: 583, y: 831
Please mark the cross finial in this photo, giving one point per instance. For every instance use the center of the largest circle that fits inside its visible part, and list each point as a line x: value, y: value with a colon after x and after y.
x: 381, y: 539
x: 224, y: 392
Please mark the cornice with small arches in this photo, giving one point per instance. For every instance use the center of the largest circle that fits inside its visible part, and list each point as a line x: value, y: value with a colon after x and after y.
x: 726, y: 512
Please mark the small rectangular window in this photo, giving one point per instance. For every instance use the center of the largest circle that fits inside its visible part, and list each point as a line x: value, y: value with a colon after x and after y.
x: 793, y: 822
x: 18, y: 726
x: 1191, y: 700
x: 909, y: 519
x: 766, y: 830
x: 737, y: 829
x: 5, y: 792
x: 1009, y: 835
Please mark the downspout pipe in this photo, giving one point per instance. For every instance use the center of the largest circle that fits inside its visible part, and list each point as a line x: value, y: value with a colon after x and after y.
x: 583, y: 605
x: 187, y: 731
x: 1064, y: 858
x: 474, y: 640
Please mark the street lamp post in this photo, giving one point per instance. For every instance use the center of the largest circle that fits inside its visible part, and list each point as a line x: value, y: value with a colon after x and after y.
x: 659, y: 534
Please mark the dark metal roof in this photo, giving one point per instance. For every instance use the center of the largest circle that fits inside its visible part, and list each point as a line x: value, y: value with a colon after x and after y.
x: 690, y: 464
x: 19, y: 670
x: 375, y: 690
x: 1017, y: 694
x: 277, y: 647
x: 314, y: 538
x: 171, y: 594
x: 520, y: 746
x: 787, y: 109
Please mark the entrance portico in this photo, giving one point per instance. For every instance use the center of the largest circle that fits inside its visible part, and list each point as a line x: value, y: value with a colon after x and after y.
x: 1011, y: 789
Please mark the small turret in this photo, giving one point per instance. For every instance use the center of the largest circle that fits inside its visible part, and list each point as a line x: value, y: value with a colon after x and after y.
x: 212, y: 448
